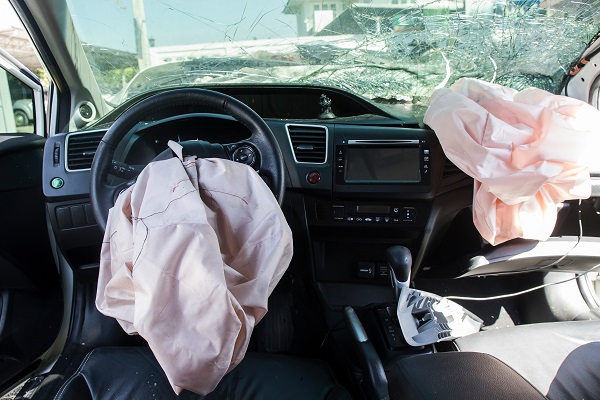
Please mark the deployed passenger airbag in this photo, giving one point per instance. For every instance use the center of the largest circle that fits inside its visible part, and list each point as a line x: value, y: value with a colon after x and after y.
x: 527, y: 151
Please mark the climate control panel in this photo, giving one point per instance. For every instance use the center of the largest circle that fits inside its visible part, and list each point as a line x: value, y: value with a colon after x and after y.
x: 374, y: 214
x: 409, y: 214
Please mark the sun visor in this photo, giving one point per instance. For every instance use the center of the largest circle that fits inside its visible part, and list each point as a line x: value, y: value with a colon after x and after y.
x: 528, y: 151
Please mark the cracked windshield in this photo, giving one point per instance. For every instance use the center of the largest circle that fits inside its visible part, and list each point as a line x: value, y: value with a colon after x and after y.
x: 392, y: 52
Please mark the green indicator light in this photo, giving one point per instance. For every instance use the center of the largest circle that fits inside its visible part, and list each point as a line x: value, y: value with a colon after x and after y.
x: 57, y: 183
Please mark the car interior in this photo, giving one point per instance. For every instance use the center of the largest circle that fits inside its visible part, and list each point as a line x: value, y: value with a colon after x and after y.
x: 379, y: 215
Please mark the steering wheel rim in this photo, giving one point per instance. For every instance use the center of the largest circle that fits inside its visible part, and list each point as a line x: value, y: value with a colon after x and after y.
x: 271, y: 161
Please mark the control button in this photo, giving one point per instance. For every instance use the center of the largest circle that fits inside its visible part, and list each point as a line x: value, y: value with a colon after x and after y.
x: 425, y: 166
x: 395, y: 220
x: 89, y: 214
x: 57, y: 183
x: 56, y: 154
x: 63, y: 217
x: 387, y: 220
x: 78, y: 216
x: 338, y: 212
x: 377, y: 219
x: 425, y: 151
x: 313, y: 178
x: 426, y: 158
x: 396, y: 210
x: 244, y: 155
x: 383, y: 270
x: 340, y: 152
x: 359, y: 219
x: 340, y: 159
x: 368, y: 219
x: 408, y: 214
x: 365, y: 270
x: 349, y: 219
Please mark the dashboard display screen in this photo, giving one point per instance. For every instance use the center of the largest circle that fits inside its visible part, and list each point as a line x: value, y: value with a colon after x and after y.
x: 383, y: 164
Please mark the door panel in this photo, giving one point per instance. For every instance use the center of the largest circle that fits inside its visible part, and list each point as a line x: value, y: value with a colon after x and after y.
x: 30, y: 295
x: 30, y: 292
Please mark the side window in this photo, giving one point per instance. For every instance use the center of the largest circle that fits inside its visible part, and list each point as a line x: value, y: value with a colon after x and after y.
x: 16, y: 105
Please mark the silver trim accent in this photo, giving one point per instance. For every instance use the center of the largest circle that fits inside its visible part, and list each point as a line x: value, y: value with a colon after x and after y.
x: 67, y: 137
x: 383, y: 141
x: 309, y: 126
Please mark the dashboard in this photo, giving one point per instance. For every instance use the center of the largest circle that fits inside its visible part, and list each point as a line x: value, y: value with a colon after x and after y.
x: 354, y: 186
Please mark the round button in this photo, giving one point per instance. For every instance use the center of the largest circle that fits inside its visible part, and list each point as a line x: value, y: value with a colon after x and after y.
x: 313, y: 177
x: 57, y: 183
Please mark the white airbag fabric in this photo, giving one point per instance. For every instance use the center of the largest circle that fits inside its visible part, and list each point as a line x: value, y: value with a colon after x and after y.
x: 190, y: 255
x: 528, y: 151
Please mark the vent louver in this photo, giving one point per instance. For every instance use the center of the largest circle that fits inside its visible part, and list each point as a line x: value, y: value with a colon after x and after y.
x: 450, y: 169
x: 81, y: 149
x: 320, y: 211
x: 309, y: 143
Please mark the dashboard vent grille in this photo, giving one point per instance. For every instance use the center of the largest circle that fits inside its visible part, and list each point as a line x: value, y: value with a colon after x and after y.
x: 320, y: 211
x: 309, y: 143
x: 450, y: 169
x: 81, y: 149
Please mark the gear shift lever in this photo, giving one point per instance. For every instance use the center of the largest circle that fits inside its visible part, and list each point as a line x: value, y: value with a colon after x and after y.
x: 424, y: 317
x: 400, y: 261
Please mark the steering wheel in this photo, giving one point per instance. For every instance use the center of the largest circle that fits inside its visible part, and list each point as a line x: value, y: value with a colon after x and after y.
x: 261, y: 147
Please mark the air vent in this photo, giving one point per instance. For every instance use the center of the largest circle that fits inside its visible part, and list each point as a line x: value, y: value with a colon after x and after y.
x: 320, y: 211
x: 309, y: 143
x: 450, y: 169
x: 81, y: 148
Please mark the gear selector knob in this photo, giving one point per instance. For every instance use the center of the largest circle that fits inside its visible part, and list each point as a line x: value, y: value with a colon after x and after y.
x: 400, y: 260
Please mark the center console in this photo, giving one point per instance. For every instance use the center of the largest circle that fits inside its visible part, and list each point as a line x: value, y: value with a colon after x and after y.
x: 382, y: 334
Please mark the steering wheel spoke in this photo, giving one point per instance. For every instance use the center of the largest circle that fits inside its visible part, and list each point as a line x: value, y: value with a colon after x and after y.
x: 118, y: 189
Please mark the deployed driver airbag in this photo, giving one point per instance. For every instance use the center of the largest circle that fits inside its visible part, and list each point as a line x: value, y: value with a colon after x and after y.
x: 190, y: 255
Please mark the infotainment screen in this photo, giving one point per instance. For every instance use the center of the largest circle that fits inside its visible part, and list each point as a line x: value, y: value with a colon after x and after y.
x: 383, y: 164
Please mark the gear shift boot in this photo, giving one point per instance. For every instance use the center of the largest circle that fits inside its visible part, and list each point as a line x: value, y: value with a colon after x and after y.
x: 427, y: 318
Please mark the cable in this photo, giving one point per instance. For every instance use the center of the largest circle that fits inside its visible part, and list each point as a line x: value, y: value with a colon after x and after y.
x: 577, y: 276
x: 504, y: 296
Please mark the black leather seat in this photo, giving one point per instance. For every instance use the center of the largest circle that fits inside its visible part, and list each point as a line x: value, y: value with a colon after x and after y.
x: 133, y: 373
x: 559, y: 360
x: 456, y: 376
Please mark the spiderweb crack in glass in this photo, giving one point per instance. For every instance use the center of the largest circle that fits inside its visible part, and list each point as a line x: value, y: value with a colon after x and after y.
x: 393, y: 54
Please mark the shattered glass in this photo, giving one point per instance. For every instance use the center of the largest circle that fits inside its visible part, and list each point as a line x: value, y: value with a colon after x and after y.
x: 393, y: 52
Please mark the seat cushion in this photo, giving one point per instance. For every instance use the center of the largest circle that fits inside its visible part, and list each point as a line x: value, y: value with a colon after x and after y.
x: 561, y: 359
x: 456, y: 376
x: 133, y: 373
